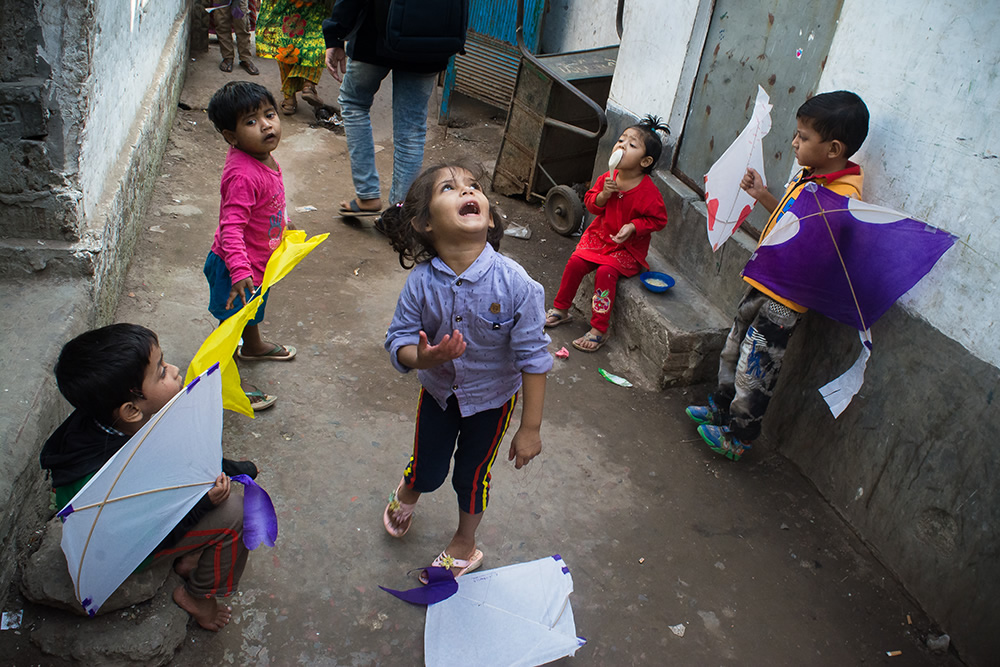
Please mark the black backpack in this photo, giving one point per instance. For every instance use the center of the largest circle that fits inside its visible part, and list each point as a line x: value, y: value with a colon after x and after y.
x: 423, y: 31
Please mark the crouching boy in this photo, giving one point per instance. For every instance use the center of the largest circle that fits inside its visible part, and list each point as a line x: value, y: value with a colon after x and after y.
x: 117, y: 379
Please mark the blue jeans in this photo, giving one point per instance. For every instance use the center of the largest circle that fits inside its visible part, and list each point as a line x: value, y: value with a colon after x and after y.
x: 410, y: 94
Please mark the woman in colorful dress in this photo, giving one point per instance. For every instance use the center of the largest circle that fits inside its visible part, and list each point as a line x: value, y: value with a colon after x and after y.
x: 291, y: 32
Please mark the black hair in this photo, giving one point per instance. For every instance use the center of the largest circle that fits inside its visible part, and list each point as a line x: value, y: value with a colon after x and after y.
x: 403, y: 221
x: 102, y: 369
x: 235, y: 99
x: 840, y: 115
x: 649, y: 127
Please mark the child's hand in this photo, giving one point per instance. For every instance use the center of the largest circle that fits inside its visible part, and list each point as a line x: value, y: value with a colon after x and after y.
x: 753, y: 184
x: 524, y: 446
x: 218, y: 493
x: 610, y: 187
x: 239, y: 290
x: 451, y: 347
x: 624, y: 234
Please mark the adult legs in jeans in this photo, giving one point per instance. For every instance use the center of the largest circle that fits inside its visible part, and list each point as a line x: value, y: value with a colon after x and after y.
x: 410, y: 94
x: 409, y: 118
x: 357, y: 92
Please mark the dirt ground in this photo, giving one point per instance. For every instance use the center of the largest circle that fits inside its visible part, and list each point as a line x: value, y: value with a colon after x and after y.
x: 677, y: 556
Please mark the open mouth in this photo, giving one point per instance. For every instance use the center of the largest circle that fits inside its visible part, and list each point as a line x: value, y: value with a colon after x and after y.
x: 469, y: 208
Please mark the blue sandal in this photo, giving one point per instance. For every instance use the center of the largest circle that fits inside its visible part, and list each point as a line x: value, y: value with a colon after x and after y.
x: 588, y: 337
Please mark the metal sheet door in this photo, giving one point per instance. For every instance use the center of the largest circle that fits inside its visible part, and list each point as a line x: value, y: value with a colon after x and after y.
x: 488, y: 69
x: 781, y: 45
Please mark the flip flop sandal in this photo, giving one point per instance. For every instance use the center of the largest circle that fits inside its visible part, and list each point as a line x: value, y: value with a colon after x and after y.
x: 289, y: 106
x: 355, y: 210
x: 400, y: 511
x: 264, y: 400
x: 590, y: 338
x: 310, y: 95
x: 249, y: 67
x: 560, y: 319
x: 226, y: 65
x: 274, y: 355
x: 464, y: 566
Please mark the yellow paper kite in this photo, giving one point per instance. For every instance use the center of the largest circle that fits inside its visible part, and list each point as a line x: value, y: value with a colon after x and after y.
x: 221, y: 343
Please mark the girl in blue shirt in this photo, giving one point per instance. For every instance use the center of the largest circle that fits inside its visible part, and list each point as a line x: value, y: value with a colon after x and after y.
x: 471, y: 322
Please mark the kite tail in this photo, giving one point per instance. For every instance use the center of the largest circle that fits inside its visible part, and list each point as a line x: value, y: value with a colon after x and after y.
x: 260, y: 523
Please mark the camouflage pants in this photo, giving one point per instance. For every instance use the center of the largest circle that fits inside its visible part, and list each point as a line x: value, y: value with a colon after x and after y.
x: 750, y: 362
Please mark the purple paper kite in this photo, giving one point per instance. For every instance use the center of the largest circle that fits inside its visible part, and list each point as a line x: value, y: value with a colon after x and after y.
x: 845, y: 258
x: 441, y: 585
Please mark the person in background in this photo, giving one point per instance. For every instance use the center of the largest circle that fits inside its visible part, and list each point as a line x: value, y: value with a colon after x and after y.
x: 291, y: 33
x: 362, y: 66
x: 228, y: 19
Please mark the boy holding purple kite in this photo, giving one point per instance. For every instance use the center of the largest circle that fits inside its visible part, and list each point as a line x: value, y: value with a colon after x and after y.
x: 830, y: 128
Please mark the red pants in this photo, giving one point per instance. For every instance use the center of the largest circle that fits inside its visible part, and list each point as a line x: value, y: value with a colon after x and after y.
x: 605, y: 283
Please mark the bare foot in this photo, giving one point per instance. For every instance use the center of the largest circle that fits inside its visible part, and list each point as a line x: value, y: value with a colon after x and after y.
x: 186, y: 564
x: 207, y: 611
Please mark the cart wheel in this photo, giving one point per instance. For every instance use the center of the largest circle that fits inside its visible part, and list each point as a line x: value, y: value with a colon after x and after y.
x: 564, y: 210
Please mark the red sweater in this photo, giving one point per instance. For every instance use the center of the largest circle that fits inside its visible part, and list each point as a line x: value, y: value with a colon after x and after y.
x: 642, y: 206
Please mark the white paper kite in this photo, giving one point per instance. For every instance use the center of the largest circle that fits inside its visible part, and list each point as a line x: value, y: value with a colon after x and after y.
x: 144, y: 490
x: 514, y: 616
x: 728, y: 204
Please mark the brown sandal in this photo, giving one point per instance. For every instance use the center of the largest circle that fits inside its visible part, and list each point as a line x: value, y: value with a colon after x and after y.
x: 310, y: 95
x: 289, y: 106
x: 226, y: 65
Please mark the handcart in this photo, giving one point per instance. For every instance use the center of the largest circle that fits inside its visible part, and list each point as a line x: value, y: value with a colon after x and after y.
x: 555, y: 121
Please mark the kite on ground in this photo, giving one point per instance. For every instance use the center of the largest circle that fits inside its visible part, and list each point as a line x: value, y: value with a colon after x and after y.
x: 848, y: 260
x: 514, y: 616
x: 147, y: 487
x: 218, y: 348
x: 728, y: 204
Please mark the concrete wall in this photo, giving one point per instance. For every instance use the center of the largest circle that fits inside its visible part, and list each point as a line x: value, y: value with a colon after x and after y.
x: 576, y: 26
x: 126, y: 56
x: 658, y: 59
x: 88, y: 93
x: 911, y: 463
x: 935, y: 111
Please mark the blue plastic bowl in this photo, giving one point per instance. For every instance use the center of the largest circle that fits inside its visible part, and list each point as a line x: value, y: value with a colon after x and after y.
x: 656, y: 275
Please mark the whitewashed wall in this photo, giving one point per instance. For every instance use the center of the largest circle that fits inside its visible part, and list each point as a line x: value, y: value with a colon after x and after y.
x: 930, y: 74
x: 126, y: 54
x: 658, y: 59
x: 571, y: 25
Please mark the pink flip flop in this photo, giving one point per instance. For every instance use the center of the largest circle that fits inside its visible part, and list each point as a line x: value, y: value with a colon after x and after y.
x: 400, y: 511
x: 464, y: 566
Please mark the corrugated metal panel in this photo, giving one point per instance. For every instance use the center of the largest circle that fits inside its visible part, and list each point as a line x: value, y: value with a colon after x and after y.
x: 498, y: 18
x: 488, y: 70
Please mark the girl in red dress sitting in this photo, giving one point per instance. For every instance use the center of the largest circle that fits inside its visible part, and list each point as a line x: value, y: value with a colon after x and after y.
x: 629, y: 209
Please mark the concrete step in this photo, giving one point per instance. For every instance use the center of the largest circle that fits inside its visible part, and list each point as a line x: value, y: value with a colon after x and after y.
x: 662, y: 340
x: 40, y: 316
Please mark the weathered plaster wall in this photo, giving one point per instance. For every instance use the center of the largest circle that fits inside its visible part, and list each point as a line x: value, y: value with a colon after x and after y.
x: 911, y: 463
x: 127, y: 53
x: 575, y: 26
x: 658, y: 58
x: 61, y: 269
x: 931, y: 77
